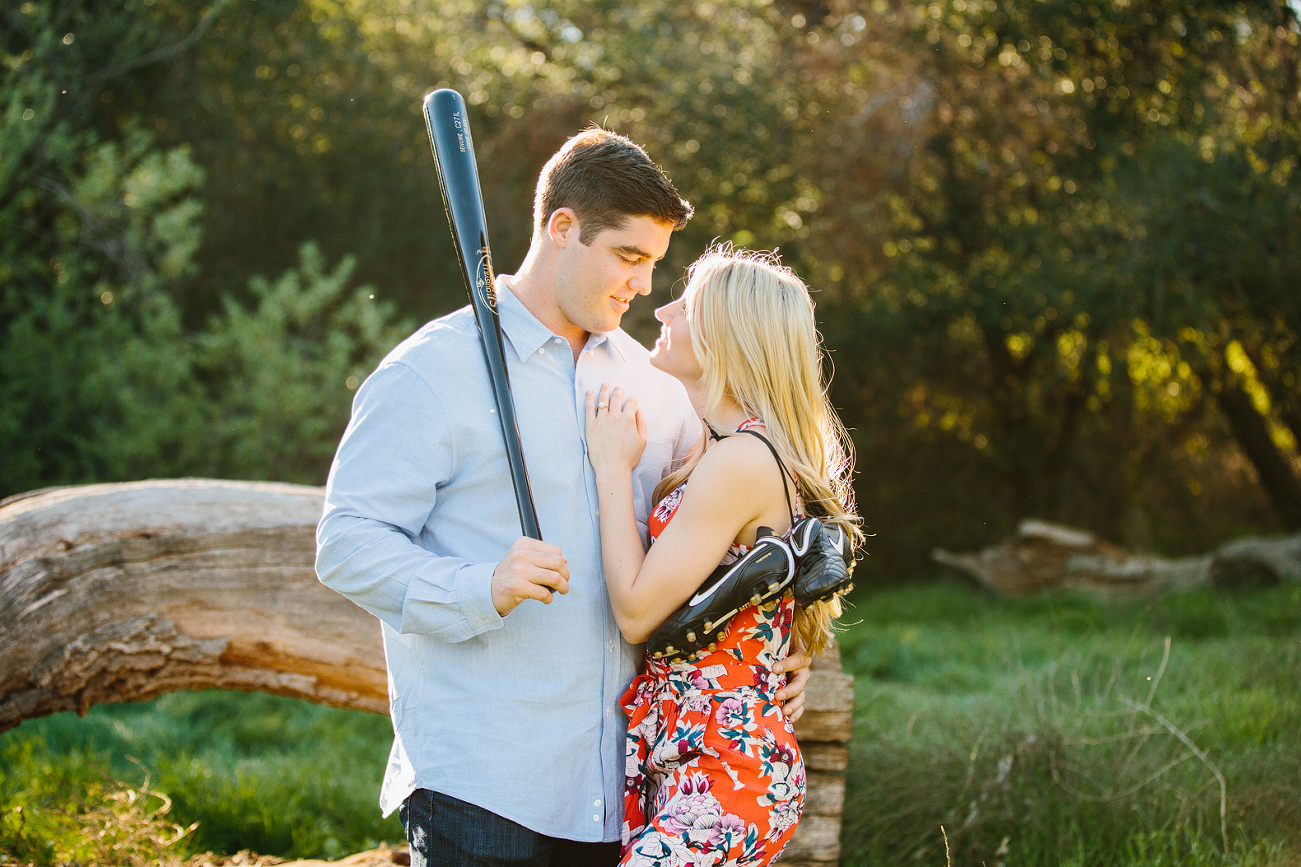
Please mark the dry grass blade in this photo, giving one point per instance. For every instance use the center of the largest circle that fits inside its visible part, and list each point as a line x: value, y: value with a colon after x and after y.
x: 1197, y: 751
x: 1116, y: 795
x: 1151, y: 693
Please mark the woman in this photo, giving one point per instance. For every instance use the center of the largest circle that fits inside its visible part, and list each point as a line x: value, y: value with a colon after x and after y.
x: 714, y: 773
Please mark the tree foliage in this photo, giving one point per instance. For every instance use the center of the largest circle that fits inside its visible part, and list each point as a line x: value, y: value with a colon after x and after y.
x: 102, y: 379
x: 1054, y: 241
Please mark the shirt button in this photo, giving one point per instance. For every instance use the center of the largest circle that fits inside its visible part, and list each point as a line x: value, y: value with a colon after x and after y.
x: 542, y: 351
x: 560, y: 340
x: 596, y: 803
x: 596, y: 818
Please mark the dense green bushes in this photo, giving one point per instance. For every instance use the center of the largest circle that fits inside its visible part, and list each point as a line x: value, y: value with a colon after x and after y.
x: 1053, y: 241
x: 111, y: 370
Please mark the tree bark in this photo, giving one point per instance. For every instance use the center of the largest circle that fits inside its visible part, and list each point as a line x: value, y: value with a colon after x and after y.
x: 1251, y: 430
x: 125, y: 592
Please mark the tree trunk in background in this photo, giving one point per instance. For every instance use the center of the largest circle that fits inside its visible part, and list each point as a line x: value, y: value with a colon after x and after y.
x: 1292, y: 418
x: 1251, y: 430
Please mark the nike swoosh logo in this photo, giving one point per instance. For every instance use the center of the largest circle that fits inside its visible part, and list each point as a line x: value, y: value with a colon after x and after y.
x: 838, y: 541
x: 703, y: 595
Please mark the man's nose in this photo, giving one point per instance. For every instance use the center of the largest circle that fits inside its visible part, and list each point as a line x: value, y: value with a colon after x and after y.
x: 640, y: 282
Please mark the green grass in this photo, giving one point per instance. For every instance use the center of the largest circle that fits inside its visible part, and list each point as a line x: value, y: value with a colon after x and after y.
x: 272, y: 775
x: 1049, y: 731
x: 1028, y: 729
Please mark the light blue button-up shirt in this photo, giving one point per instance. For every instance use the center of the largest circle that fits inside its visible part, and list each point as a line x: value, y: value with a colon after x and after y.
x: 519, y: 715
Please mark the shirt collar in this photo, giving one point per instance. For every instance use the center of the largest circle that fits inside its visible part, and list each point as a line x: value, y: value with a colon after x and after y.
x: 611, y: 342
x: 527, y: 334
x: 524, y: 331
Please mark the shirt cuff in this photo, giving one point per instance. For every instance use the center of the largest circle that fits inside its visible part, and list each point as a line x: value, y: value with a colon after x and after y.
x: 464, y: 613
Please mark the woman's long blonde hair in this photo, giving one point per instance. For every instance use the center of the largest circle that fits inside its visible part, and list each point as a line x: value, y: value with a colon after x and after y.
x: 754, y: 336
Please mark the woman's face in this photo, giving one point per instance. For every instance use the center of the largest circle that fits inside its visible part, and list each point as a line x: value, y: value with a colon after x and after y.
x: 673, y: 352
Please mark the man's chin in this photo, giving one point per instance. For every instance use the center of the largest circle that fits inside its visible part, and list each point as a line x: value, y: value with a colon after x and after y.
x: 605, y: 327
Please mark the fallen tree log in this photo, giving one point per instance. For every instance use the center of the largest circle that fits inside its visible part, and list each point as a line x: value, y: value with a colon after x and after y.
x: 1257, y: 562
x: 124, y: 592
x: 1043, y: 556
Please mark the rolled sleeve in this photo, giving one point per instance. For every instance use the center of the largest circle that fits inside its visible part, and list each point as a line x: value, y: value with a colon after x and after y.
x: 451, y: 613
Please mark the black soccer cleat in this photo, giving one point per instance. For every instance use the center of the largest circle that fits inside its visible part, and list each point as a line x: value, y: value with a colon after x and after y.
x: 765, y: 571
x: 826, y: 560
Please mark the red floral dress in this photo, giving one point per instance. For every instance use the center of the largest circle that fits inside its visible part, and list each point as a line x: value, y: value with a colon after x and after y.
x: 714, y: 776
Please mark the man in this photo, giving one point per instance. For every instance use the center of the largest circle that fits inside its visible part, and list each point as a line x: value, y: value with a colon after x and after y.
x: 508, y: 737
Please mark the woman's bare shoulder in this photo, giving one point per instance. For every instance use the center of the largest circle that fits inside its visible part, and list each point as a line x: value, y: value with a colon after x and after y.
x: 743, y: 461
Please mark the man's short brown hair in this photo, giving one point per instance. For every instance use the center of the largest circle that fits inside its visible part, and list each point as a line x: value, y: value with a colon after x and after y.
x: 606, y: 178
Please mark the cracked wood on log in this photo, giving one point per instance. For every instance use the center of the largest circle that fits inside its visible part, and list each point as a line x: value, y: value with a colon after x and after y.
x: 123, y: 592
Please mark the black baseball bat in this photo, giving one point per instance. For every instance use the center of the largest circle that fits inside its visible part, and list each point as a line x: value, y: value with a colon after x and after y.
x: 458, y: 176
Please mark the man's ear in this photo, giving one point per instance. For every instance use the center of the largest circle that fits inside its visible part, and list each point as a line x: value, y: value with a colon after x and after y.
x: 562, y: 227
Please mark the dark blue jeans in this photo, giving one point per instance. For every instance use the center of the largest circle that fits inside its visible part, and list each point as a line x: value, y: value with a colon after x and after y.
x: 445, y: 832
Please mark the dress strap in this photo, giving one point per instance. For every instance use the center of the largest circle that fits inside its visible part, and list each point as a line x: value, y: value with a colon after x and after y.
x: 782, y: 465
x: 743, y: 427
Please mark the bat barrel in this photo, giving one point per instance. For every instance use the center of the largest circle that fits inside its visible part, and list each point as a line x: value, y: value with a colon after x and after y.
x: 458, y: 177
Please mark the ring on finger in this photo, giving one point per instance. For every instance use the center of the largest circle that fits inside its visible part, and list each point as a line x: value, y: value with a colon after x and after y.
x: 601, y: 406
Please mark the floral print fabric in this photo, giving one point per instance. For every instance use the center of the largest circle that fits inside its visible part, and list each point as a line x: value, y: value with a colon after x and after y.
x: 714, y: 776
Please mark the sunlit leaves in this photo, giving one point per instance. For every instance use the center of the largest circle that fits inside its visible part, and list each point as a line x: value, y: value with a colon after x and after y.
x: 1035, y: 226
